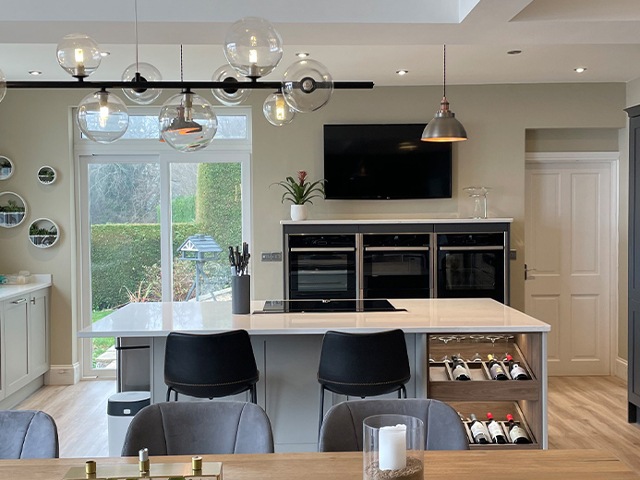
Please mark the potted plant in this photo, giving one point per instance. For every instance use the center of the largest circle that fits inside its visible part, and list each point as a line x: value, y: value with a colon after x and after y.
x: 42, y: 236
x: 15, y: 212
x: 300, y: 191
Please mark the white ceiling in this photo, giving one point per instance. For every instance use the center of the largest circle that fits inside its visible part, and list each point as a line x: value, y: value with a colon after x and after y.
x: 355, y: 39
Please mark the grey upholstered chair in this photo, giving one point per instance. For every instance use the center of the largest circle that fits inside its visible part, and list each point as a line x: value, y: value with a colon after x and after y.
x: 27, y: 434
x: 342, y: 427
x: 193, y: 428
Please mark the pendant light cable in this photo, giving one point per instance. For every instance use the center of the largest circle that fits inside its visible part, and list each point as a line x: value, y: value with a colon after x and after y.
x: 444, y: 70
x: 136, y: 30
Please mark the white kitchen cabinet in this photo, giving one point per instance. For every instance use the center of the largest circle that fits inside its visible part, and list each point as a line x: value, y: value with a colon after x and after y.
x: 24, y: 342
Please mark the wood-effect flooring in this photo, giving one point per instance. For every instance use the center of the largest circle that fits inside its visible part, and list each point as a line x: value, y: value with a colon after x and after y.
x: 584, y: 412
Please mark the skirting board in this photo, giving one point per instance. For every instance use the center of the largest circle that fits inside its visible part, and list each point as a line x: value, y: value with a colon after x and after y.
x: 620, y: 368
x: 63, y: 375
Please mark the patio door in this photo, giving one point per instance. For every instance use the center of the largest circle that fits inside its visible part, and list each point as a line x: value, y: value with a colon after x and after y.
x: 137, y: 214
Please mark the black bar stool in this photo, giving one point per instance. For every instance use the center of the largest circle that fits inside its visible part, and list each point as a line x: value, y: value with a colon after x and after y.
x: 212, y: 365
x: 363, y: 364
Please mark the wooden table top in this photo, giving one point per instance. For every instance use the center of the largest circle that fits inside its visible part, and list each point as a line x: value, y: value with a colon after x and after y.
x: 521, y: 465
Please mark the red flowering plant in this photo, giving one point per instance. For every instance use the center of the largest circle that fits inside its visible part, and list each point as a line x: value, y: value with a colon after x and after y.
x: 300, y: 190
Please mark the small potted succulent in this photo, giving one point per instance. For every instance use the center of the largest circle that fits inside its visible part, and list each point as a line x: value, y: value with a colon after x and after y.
x: 299, y: 191
x: 14, y: 213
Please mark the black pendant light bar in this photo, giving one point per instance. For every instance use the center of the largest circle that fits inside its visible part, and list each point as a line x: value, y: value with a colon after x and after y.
x: 253, y: 85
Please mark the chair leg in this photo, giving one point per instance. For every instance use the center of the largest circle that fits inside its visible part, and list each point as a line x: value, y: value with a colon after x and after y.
x: 403, y: 389
x: 321, y: 409
x: 254, y: 395
x: 175, y: 395
x: 168, y: 393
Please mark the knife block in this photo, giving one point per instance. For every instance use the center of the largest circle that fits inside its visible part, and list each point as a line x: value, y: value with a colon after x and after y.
x: 240, y: 294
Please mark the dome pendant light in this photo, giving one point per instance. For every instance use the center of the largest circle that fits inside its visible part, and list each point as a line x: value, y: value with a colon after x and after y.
x: 444, y: 127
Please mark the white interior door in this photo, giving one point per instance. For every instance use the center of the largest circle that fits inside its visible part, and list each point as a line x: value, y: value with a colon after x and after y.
x: 569, y: 222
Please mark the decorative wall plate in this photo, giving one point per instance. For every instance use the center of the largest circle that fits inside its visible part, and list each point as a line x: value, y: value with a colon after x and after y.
x: 13, y: 209
x: 44, y: 233
x: 47, y: 175
x: 6, y: 167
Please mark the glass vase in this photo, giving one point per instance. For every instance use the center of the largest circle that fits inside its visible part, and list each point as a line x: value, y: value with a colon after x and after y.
x: 479, y: 196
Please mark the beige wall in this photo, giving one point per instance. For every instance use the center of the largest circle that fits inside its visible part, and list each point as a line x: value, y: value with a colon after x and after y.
x: 496, y: 118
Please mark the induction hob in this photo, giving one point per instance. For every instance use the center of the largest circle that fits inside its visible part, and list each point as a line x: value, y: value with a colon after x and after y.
x: 328, y: 306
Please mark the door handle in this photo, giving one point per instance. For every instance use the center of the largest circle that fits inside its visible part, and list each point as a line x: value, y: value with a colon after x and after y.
x: 19, y: 301
x: 526, y: 272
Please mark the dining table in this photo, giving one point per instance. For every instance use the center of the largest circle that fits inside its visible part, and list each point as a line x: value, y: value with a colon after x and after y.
x: 460, y: 465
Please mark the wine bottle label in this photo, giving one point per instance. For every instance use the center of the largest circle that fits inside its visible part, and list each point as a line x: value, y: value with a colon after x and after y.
x: 496, y: 370
x: 517, y: 432
x: 479, y: 432
x: 495, y: 430
x: 460, y: 372
x: 517, y: 371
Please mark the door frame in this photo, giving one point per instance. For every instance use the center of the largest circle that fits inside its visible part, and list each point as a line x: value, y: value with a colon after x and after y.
x: 612, y: 160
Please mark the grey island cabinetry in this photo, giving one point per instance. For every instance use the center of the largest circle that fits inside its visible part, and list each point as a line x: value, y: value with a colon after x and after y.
x: 24, y: 339
x: 287, y: 349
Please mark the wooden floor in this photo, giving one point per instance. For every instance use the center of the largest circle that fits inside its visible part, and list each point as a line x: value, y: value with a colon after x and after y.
x: 584, y: 412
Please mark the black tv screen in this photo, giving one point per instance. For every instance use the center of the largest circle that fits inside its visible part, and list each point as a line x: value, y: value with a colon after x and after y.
x: 384, y: 162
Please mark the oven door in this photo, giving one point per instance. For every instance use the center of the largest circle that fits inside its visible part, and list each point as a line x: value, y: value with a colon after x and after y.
x: 396, y: 272
x: 317, y: 272
x: 471, y: 271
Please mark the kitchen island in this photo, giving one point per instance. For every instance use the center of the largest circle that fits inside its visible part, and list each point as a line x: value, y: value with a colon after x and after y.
x: 287, y: 349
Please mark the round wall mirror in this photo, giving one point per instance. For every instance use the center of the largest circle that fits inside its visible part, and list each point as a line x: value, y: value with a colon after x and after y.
x: 43, y: 233
x: 6, y: 167
x: 13, y: 209
x: 47, y: 175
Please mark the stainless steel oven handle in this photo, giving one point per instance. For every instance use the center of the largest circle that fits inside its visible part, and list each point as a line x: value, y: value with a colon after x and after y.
x: 470, y: 249
x: 324, y: 249
x: 396, y: 249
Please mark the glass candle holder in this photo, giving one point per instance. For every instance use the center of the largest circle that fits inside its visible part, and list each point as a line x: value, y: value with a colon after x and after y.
x: 393, y: 448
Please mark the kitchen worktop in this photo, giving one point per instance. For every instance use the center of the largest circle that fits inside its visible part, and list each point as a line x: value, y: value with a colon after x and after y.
x: 396, y: 221
x: 421, y: 316
x: 37, y: 282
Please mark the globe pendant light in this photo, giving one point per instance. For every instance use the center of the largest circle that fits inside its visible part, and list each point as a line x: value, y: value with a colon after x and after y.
x: 187, y: 122
x: 79, y: 55
x: 253, y: 47
x: 103, y: 117
x: 232, y: 95
x: 444, y: 127
x: 307, y: 85
x: 141, y: 72
x: 276, y: 110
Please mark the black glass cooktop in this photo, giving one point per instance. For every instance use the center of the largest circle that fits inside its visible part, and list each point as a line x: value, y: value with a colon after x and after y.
x: 328, y: 305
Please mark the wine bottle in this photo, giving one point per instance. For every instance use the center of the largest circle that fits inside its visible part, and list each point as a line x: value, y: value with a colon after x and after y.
x: 517, y: 434
x: 495, y: 369
x: 479, y: 432
x: 459, y: 369
x: 515, y: 370
x: 495, y: 430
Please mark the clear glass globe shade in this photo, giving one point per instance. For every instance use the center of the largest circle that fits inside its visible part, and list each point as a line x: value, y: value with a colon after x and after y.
x: 78, y: 54
x: 3, y: 85
x: 307, y: 86
x: 277, y: 111
x: 187, y: 122
x: 253, y: 47
x: 148, y: 73
x: 103, y: 117
x: 229, y: 96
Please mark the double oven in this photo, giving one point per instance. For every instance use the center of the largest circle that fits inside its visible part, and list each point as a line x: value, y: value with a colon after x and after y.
x: 408, y: 261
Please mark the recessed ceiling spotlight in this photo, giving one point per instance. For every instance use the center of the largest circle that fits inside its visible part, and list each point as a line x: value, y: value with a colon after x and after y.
x: 105, y: 54
x: 580, y: 69
x: 302, y: 54
x: 402, y: 72
x: 514, y: 52
x: 35, y: 73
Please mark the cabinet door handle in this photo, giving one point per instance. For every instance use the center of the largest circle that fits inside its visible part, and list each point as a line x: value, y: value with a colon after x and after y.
x: 19, y: 301
x: 33, y: 300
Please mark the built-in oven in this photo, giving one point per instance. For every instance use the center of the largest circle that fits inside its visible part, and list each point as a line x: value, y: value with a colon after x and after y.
x: 321, y: 266
x: 396, y: 265
x: 472, y: 265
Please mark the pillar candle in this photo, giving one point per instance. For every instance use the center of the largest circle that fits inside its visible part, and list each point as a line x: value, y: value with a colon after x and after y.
x: 393, y: 447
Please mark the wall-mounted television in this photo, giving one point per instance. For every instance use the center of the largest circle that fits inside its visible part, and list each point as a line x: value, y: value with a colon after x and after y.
x: 390, y: 161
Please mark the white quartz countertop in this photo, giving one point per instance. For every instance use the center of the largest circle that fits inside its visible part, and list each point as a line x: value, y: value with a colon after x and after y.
x: 421, y: 316
x: 396, y: 221
x: 37, y: 282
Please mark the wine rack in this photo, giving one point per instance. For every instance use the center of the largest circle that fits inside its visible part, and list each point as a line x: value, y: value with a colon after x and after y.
x: 481, y: 394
